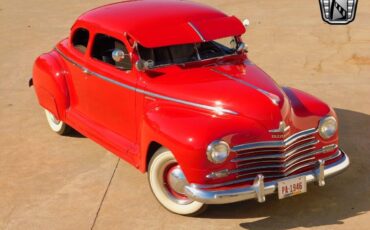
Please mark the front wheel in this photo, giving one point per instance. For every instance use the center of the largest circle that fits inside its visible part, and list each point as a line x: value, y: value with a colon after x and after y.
x: 167, y: 182
x: 56, y: 125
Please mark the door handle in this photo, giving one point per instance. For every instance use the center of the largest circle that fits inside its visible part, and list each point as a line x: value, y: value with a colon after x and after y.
x: 85, y: 71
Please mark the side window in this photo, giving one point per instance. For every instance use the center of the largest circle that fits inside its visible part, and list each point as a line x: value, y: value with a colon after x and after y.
x: 80, y: 39
x: 103, y: 48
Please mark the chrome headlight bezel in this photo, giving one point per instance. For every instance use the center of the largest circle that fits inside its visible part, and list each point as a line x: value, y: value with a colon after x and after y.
x: 218, y: 151
x: 328, y: 127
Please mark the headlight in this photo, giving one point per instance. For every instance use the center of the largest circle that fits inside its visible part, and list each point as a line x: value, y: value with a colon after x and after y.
x: 328, y: 127
x: 218, y: 151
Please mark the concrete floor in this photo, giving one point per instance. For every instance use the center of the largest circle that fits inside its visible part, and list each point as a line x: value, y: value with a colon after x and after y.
x: 53, y: 182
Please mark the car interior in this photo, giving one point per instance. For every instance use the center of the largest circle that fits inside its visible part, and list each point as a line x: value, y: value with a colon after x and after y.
x: 178, y: 54
x: 103, y: 47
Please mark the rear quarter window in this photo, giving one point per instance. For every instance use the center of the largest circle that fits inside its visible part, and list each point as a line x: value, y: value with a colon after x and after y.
x: 80, y: 39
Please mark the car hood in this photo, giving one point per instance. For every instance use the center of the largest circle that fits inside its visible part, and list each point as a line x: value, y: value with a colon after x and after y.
x: 243, y: 88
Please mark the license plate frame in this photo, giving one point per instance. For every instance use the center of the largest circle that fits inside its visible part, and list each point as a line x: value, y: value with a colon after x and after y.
x: 292, y: 186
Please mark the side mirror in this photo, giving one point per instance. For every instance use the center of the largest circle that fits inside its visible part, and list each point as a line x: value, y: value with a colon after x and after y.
x: 242, y: 48
x: 246, y: 23
x: 118, y: 55
x: 142, y: 65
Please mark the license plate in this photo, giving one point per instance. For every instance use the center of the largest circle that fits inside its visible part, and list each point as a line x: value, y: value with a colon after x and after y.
x: 292, y: 187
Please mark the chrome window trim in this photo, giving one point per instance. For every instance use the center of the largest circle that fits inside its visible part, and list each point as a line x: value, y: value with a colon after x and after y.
x: 145, y: 92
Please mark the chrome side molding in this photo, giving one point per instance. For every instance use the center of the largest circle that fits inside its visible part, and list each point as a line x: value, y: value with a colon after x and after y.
x: 216, y: 109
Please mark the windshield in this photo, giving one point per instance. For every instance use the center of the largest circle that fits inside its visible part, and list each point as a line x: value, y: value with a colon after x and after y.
x: 179, y: 54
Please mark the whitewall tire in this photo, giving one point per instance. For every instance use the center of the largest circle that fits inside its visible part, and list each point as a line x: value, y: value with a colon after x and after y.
x: 167, y: 182
x: 56, y: 125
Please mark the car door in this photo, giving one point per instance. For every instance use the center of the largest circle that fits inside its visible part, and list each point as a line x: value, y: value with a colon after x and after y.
x: 112, y: 90
x: 77, y: 81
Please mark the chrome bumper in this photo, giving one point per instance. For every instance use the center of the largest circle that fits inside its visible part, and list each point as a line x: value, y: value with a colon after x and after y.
x: 259, y: 189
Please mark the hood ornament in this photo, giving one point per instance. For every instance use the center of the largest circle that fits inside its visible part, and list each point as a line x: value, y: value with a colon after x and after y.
x: 283, y: 128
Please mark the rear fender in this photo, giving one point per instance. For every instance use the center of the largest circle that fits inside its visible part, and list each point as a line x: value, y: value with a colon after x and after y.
x: 49, y: 80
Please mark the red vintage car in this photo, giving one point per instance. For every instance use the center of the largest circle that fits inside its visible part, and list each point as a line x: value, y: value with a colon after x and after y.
x: 168, y: 87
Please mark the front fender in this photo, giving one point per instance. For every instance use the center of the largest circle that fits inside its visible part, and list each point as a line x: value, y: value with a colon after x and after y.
x: 187, y: 132
x: 50, y: 83
x: 305, y: 104
x: 308, y: 110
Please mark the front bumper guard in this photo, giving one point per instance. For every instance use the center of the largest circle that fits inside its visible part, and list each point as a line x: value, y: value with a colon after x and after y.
x: 260, y: 189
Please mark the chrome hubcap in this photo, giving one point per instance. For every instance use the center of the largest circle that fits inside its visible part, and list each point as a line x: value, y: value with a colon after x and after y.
x: 177, y: 180
x: 174, y: 182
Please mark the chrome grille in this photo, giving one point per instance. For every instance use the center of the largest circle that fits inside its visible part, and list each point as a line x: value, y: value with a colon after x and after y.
x: 276, y: 159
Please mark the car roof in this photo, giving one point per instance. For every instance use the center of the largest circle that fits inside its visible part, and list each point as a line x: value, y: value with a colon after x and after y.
x: 156, y: 23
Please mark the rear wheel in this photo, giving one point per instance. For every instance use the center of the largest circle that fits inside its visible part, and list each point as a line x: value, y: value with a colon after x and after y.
x: 167, y: 182
x: 56, y: 125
